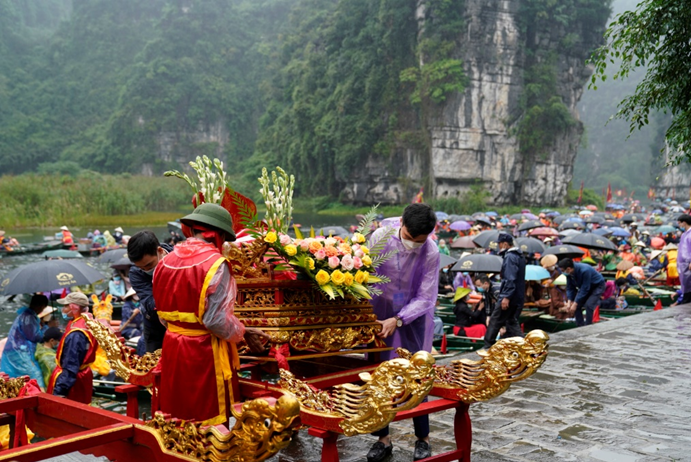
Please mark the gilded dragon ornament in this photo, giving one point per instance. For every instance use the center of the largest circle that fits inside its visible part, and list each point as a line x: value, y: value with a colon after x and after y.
x: 395, y: 385
x: 260, y: 431
x: 507, y: 361
x: 126, y: 364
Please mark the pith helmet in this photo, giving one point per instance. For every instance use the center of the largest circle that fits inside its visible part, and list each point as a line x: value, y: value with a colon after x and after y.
x: 211, y: 215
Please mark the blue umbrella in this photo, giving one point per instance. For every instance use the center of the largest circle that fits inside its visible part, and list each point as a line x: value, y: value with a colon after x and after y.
x: 603, y: 231
x: 491, y: 214
x: 620, y: 232
x: 666, y: 229
x: 442, y: 215
x: 657, y: 212
x: 575, y: 220
x: 535, y: 273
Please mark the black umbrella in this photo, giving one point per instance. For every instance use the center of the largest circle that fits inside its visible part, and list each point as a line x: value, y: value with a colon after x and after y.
x: 530, y: 245
x: 564, y: 251
x: 631, y: 217
x: 467, y: 218
x: 562, y: 218
x: 483, y: 220
x: 517, y: 216
x: 445, y: 260
x: 479, y: 263
x: 530, y: 224
x: 122, y: 264
x: 571, y: 225
x: 111, y: 256
x: 463, y: 242
x: 595, y: 219
x: 47, y: 275
x: 590, y: 241
x: 487, y: 239
x: 603, y: 232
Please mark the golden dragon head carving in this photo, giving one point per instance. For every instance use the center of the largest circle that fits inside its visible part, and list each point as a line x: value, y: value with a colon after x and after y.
x: 507, y: 361
x: 395, y: 385
x: 126, y: 364
x: 10, y: 388
x: 261, y: 430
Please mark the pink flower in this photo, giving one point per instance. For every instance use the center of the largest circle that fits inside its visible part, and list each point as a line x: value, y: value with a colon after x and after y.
x: 334, y: 262
x: 284, y: 239
x: 359, y: 253
x: 347, y: 262
x: 320, y: 254
x: 305, y: 245
x: 357, y: 262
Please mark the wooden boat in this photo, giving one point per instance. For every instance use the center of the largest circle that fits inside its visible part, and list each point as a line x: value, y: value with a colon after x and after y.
x: 36, y: 247
x: 631, y: 310
x: 549, y: 323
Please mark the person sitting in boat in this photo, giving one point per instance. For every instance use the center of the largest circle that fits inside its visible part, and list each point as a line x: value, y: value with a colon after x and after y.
x: 116, y: 287
x: 555, y: 288
x: 7, y: 241
x: 72, y: 377
x: 489, y: 294
x: 18, y: 357
x: 117, y: 235
x: 132, y: 318
x: 110, y: 240
x: 443, y: 248
x: 609, y: 296
x: 672, y: 272
x: 638, y: 252
x: 446, y: 281
x: 46, y: 351
x: 99, y: 240
x: 67, y: 238
x: 658, y: 262
x: 470, y: 320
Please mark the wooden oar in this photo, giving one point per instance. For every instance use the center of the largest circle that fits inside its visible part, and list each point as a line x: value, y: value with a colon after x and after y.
x: 134, y: 314
x: 645, y: 291
x: 654, y: 274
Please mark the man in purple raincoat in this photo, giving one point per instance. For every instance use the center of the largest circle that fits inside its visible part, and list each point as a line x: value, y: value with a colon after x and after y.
x: 684, y: 258
x: 405, y: 309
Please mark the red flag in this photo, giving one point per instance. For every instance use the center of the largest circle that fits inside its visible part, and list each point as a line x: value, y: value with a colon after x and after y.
x: 443, y: 345
x: 580, y: 194
x: 64, y: 293
x: 609, y: 192
x: 596, y: 315
x: 658, y: 305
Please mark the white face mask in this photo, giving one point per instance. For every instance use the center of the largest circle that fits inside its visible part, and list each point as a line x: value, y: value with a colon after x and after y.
x: 411, y: 245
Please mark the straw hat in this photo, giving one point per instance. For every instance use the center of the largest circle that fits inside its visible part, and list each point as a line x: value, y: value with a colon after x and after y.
x: 47, y: 311
x: 64, y: 228
x: 655, y: 254
x: 119, y: 230
x: 670, y: 246
x: 640, y: 244
x: 2, y: 233
x: 560, y: 281
x: 461, y: 293
x: 129, y: 294
x: 549, y: 261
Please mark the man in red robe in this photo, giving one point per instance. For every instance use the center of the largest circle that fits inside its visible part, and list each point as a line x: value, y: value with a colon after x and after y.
x: 72, y: 376
x: 195, y: 293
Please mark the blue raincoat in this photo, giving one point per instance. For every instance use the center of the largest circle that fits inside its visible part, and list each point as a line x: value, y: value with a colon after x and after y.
x: 18, y: 358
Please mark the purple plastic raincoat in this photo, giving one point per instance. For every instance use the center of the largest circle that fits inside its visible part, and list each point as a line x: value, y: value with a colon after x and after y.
x: 411, y: 294
x: 684, y: 260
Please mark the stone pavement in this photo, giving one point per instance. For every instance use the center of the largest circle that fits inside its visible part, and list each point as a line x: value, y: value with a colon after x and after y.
x: 617, y: 391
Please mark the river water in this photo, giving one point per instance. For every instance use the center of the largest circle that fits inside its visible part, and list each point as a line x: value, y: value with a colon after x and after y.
x: 9, y: 307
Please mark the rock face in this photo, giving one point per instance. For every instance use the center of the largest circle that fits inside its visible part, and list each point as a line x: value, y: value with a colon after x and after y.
x: 473, y: 134
x: 674, y: 182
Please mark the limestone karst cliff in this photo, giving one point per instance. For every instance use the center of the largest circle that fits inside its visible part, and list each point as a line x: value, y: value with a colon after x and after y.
x: 483, y: 135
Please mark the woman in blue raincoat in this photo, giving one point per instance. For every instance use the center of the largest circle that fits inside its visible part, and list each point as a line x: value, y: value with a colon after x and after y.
x: 18, y: 357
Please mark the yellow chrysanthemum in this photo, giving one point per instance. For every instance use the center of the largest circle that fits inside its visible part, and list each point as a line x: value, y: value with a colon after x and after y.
x: 291, y: 250
x: 361, y: 277
x: 337, y: 277
x: 322, y: 277
x: 310, y: 263
x: 366, y: 260
x: 270, y: 237
x: 364, y: 249
x: 349, y: 279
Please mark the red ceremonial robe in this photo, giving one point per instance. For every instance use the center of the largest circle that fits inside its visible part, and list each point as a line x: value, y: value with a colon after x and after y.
x: 83, y: 387
x: 196, y: 366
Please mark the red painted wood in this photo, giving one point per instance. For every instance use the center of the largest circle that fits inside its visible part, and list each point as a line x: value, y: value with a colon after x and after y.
x: 329, y: 448
x: 445, y: 457
x: 132, y: 392
x: 15, y: 404
x: 70, y: 443
x: 463, y: 431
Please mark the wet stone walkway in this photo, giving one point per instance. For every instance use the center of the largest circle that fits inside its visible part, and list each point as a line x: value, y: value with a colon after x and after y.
x: 617, y: 391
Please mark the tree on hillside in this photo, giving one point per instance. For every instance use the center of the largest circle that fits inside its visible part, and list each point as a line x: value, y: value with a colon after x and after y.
x: 656, y: 35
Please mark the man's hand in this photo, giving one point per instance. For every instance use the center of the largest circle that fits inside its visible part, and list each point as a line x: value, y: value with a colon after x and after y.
x: 505, y: 304
x: 254, y: 337
x: 388, y: 326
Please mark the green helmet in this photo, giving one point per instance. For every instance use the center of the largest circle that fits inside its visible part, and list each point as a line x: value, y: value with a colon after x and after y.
x: 211, y: 215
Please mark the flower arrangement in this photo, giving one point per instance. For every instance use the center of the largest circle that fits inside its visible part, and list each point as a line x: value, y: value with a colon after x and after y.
x: 338, y: 266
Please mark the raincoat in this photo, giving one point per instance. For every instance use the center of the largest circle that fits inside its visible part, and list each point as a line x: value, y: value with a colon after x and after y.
x: 684, y: 260
x: 18, y: 357
x: 46, y: 359
x: 411, y: 294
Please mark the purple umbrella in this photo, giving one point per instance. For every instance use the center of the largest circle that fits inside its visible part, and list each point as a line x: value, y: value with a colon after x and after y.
x: 460, y: 226
x: 529, y: 216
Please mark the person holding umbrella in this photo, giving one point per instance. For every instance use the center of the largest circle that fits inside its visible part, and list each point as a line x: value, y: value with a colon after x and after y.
x: 584, y: 288
x: 511, y: 292
x: 72, y: 377
x: 18, y: 357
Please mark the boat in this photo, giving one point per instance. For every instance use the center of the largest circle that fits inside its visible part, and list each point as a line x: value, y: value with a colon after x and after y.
x: 631, y: 310
x: 25, y: 249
